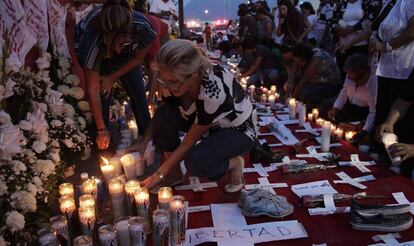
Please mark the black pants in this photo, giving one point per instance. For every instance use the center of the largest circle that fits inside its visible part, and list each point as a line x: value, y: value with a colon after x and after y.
x: 341, y: 57
x: 208, y: 158
x: 351, y: 112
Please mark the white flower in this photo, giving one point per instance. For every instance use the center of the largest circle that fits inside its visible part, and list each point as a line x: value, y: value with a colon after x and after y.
x: 43, y: 62
x: 37, y: 181
x: 77, y: 92
x: 54, y: 143
x: 31, y: 188
x: 18, y: 167
x: 43, y: 136
x: 3, y: 242
x: 4, y: 118
x: 15, y: 221
x: 3, y: 188
x: 23, y: 200
x: 64, y: 89
x: 82, y: 123
x: 25, y: 125
x: 68, y: 143
x: 88, y: 116
x: 69, y: 122
x: 56, y: 123
x: 84, y: 106
x: 8, y: 91
x: 72, y: 79
x: 68, y: 110
x: 30, y: 155
x: 64, y: 63
x: 39, y: 146
x: 55, y: 157
x: 45, y: 167
x: 59, y: 73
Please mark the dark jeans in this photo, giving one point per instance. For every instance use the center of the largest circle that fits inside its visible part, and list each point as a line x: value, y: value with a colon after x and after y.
x: 134, y: 86
x: 210, y: 157
x: 341, y: 57
x: 351, y: 112
x: 317, y: 93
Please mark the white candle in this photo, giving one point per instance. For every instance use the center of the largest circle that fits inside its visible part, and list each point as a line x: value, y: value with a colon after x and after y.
x: 149, y: 154
x: 273, y: 88
x: 107, y: 169
x: 333, y: 129
x: 319, y: 121
x: 164, y: 197
x: 310, y: 117
x: 389, y: 139
x: 66, y: 189
x: 116, y: 189
x: 129, y: 166
x: 292, y: 108
x: 132, y: 187
x: 116, y: 161
x: 244, y: 86
x: 349, y: 135
x: 132, y: 125
x: 252, y: 89
x: 122, y: 230
x: 86, y: 200
x: 142, y: 202
x: 326, y: 137
x: 302, y: 114
x: 87, y: 218
x: 67, y: 205
x: 272, y: 100
x: 177, y: 217
x: 315, y: 113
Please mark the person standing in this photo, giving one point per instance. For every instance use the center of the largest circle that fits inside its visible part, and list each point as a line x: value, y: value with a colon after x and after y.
x: 166, y: 11
x: 112, y: 46
x: 208, y: 34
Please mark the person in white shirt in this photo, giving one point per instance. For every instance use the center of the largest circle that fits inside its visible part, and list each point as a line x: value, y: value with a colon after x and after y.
x: 165, y: 10
x: 358, y: 97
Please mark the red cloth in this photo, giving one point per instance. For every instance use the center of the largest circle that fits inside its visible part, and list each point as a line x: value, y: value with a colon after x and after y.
x: 331, y: 229
x: 162, y: 33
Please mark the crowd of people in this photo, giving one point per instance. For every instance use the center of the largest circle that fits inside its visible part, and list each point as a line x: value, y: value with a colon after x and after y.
x: 353, y: 59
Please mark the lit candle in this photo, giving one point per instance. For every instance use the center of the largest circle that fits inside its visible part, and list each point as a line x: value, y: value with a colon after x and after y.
x: 292, y: 108
x: 310, y: 117
x: 301, y: 114
x: 66, y: 189
x: 319, y: 121
x: 131, y: 187
x: 177, y: 217
x: 132, y: 125
x: 273, y: 88
x: 265, y: 90
x: 89, y: 186
x: 315, y: 113
x: 326, y: 136
x: 67, y: 205
x: 164, y: 198
x: 349, y: 135
x: 122, y: 230
x: 272, y: 100
x: 339, y: 133
x: 333, y: 129
x: 116, y: 189
x: 86, y: 200
x: 277, y: 96
x: 142, y: 202
x: 87, y: 219
x: 389, y: 139
x: 133, y: 165
x: 252, y: 89
x: 264, y: 98
x: 107, y: 169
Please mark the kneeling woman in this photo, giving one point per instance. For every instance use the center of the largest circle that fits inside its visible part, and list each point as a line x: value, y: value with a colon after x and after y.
x: 210, y: 106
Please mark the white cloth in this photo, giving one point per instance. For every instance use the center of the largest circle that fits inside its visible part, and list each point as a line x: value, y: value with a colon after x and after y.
x: 36, y: 12
x: 57, y: 20
x: 157, y: 6
x: 363, y: 96
x: 352, y: 15
x: 399, y: 63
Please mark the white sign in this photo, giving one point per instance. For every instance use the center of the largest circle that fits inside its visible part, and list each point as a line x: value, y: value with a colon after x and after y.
x: 390, y: 240
x: 361, y: 165
x: 262, y: 171
x: 314, y: 154
x: 265, y: 184
x: 313, y: 188
x: 194, y: 209
x: 257, y: 233
x: 282, y: 133
x: 401, y: 199
x: 195, y: 185
x: 345, y: 179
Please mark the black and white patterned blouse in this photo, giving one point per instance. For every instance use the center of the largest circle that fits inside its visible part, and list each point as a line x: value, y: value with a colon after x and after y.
x: 223, y: 103
x: 371, y: 9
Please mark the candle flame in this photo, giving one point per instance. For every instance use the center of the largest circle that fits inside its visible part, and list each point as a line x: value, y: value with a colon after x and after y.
x: 104, y: 160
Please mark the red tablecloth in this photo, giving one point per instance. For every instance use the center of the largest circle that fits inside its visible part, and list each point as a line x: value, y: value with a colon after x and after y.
x: 331, y: 229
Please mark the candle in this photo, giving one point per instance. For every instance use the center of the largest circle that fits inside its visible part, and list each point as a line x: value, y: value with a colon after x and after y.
x: 164, y: 198
x: 131, y: 187
x: 132, y: 125
x: 107, y: 235
x: 326, y: 136
x: 244, y: 86
x: 310, y: 116
x: 67, y: 205
x: 333, y: 129
x: 89, y: 186
x: 265, y: 90
x: 339, y: 132
x: 137, y: 231
x: 83, y: 240
x: 319, y: 121
x: 252, y: 89
x: 59, y: 225
x: 302, y: 114
x: 66, y: 189
x: 273, y: 88
x: 122, y: 230
x: 46, y: 237
x: 272, y: 100
x: 315, y: 113
x: 177, y: 217
x: 116, y: 190
x: 149, y: 154
x: 349, y: 135
x: 264, y: 98
x: 116, y: 161
x: 143, y: 206
x: 107, y: 169
x: 133, y: 165
x: 292, y: 108
x: 87, y: 219
x: 160, y: 227
x: 389, y: 139
x: 86, y: 200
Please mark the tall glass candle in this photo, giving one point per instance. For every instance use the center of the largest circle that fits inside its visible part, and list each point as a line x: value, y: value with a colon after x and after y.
x: 67, y: 205
x: 301, y: 114
x: 310, y: 116
x: 89, y: 186
x: 292, y: 108
x: 87, y: 218
x: 107, y: 169
x: 132, y: 187
x: 133, y: 128
x: 142, y: 201
x: 326, y: 137
x: 129, y: 163
x: 107, y: 235
x: 252, y: 89
x: 59, y: 225
x: 86, y: 200
x: 164, y: 198
x: 116, y: 190
x: 122, y: 230
x: 160, y: 224
x: 177, y: 218
x: 66, y: 189
x: 319, y: 121
x: 83, y: 240
x: 137, y: 231
x: 315, y: 113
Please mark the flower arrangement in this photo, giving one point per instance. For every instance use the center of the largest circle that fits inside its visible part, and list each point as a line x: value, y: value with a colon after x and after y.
x: 43, y: 122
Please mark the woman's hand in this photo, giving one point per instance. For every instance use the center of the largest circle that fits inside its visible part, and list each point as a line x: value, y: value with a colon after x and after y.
x: 152, y: 181
x: 405, y: 151
x: 106, y: 85
x: 383, y: 128
x: 103, y: 139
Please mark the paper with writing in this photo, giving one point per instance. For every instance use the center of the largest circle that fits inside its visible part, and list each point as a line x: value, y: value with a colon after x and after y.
x: 361, y: 165
x: 389, y: 240
x: 329, y: 208
x: 313, y: 188
x: 401, y: 199
x: 246, y: 234
x: 314, y: 154
x: 265, y: 184
x: 194, y: 209
x: 309, y: 129
x: 283, y: 134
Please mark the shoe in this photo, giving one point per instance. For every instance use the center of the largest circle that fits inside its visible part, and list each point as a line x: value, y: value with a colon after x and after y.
x: 379, y: 222
x: 263, y: 154
x: 372, y: 210
x: 232, y: 188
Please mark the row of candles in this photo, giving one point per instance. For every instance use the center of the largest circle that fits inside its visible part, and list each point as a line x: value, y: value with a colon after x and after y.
x: 168, y: 221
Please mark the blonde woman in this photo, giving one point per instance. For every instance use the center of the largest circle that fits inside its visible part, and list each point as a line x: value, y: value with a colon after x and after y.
x: 211, y: 107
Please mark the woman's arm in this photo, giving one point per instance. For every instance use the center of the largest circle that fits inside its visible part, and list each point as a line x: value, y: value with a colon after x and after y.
x: 93, y: 86
x: 310, y: 72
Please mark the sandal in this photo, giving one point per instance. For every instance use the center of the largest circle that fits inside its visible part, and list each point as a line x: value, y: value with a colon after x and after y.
x: 233, y: 188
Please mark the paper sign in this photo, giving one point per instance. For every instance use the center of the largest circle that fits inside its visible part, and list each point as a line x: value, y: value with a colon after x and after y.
x: 314, y: 154
x: 262, y: 141
x: 257, y: 233
x: 283, y: 134
x: 401, y: 199
x: 345, y: 179
x: 313, y: 188
x: 289, y: 122
x: 361, y: 165
x: 227, y: 215
x: 283, y: 117
x: 309, y: 129
x: 195, y: 185
x: 389, y: 240
x: 264, y: 184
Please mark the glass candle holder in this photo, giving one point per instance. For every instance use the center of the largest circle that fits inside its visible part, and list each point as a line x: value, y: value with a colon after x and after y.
x: 142, y: 201
x: 66, y: 189
x: 164, y: 198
